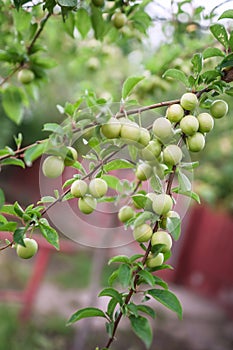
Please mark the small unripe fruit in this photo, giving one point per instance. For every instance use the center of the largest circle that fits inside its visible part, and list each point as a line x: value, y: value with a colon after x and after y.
x: 25, y: 76
x: 219, y: 109
x: 196, y: 142
x: 142, y: 233
x: 71, y: 156
x: 174, y: 113
x: 98, y: 187
x: 53, y: 166
x: 189, y: 125
x: 143, y: 171
x: 172, y: 155
x: 119, y: 19
x: 155, y: 261
x: 162, y: 237
x: 93, y: 63
x: 206, y: 122
x: 125, y: 213
x: 130, y: 131
x: 162, y: 129
x: 98, y: 3
x: 87, y: 204
x: 79, y: 188
x: 162, y: 204
x: 152, y: 150
x: 111, y: 129
x: 144, y: 137
x: 29, y: 250
x: 189, y: 101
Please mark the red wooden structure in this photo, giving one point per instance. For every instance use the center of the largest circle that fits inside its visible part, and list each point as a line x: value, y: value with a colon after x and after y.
x: 205, y: 262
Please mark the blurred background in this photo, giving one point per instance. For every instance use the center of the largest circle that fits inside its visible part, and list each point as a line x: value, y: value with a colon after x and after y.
x: 38, y: 296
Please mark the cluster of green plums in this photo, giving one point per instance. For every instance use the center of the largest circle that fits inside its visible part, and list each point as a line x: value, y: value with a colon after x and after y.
x: 160, y: 204
x: 194, y: 127
x: 53, y: 166
x: 27, y: 251
x: 88, y: 193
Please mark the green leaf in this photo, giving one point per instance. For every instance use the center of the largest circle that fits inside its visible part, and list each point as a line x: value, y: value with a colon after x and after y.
x: 111, y: 180
x: 133, y: 152
x: 197, y: 62
x: 119, y: 259
x: 189, y: 194
x: 140, y: 200
x: 174, y: 227
x: 143, y: 217
x: 2, y: 198
x: 47, y: 199
x: 18, y: 209
x: 22, y: 19
x: 135, y: 257
x: 168, y: 299
x: 67, y: 3
x: 157, y: 248
x: 141, y: 327
x: 83, y: 22
x: 226, y: 14
x: 184, y: 183
x: 160, y: 282
x: 231, y: 40
x: 49, y: 233
x: 118, y: 164
x: 177, y: 75
x: 19, y: 235
x: 85, y: 313
x: 33, y: 153
x: 156, y: 183
x: 212, y: 52
x: 69, y: 24
x: 111, y: 292
x: 146, y: 310
x: 189, y: 166
x: 112, y: 277
x: 10, y: 226
x: 111, y: 307
x: 220, y: 33
x: 209, y: 76
x: 146, y: 277
x: 8, y: 209
x: 129, y: 85
x: 133, y: 309
x: 13, y: 161
x: 12, y: 102
x: 98, y: 22
x: 53, y: 127
x: 124, y: 275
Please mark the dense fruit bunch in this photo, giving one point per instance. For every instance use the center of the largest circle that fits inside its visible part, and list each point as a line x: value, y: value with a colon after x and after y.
x: 158, y: 155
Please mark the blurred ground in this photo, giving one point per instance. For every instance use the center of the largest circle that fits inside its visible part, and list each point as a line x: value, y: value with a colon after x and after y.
x: 205, y: 325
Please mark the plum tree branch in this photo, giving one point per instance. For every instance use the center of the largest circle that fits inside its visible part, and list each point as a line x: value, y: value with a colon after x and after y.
x: 29, y: 49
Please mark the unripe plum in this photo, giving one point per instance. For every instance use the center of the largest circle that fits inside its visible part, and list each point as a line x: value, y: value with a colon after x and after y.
x: 206, y: 122
x: 175, y: 113
x: 189, y: 125
x: 162, y: 129
x: 142, y: 233
x: 172, y: 155
x: 162, y: 204
x: 196, y: 142
x: 189, y: 101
